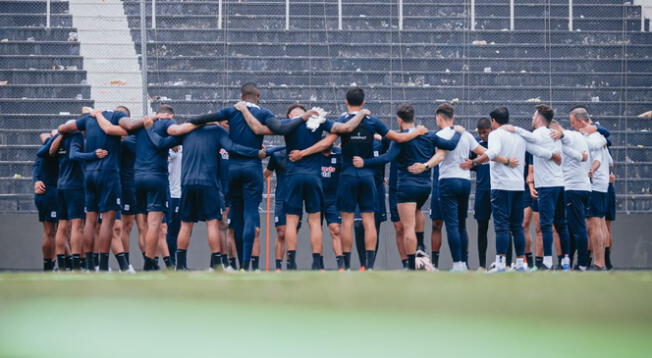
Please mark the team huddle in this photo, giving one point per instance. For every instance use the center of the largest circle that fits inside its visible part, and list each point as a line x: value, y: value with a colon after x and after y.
x: 96, y: 176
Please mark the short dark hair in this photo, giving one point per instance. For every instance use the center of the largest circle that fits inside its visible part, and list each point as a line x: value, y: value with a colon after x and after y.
x: 484, y: 123
x: 124, y: 109
x: 578, y: 106
x: 500, y: 115
x: 165, y: 108
x: 446, y: 110
x: 355, y: 96
x: 293, y: 107
x: 406, y: 113
x: 546, y: 112
x: 249, y: 89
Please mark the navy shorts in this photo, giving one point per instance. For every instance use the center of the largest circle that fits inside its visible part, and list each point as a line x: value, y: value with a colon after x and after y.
x: 356, y: 191
x: 529, y: 202
x: 393, y: 207
x: 381, y: 207
x: 102, y: 191
x: 224, y: 192
x: 172, y: 214
x: 610, y: 215
x: 200, y: 203
x: 597, y: 205
x: 330, y: 212
x: 47, y: 205
x: 435, y: 208
x: 413, y: 194
x: 151, y: 193
x: 482, y: 205
x: 245, y: 183
x: 128, y: 201
x: 279, y: 212
x: 70, y: 203
x: 300, y: 189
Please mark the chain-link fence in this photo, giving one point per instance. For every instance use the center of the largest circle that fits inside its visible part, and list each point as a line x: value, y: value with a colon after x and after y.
x: 58, y: 56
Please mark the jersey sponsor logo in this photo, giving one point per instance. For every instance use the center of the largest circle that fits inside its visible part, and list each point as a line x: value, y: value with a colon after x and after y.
x: 327, y: 172
x: 224, y: 154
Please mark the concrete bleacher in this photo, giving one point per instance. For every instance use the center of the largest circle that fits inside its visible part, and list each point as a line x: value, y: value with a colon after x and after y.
x: 604, y: 62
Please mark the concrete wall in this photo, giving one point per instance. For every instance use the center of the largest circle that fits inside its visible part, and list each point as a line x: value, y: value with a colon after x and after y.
x: 20, y: 237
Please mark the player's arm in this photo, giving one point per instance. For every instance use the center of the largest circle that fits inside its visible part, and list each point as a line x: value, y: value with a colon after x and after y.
x: 107, y: 127
x: 182, y: 129
x: 448, y: 144
x: 351, y: 124
x: 55, y: 144
x: 39, y: 185
x: 595, y: 142
x: 77, y: 150
x: 574, y: 154
x: 253, y: 123
x: 390, y: 155
x: 271, y: 150
x: 44, y: 150
x: 438, y: 157
x: 71, y: 126
x: 158, y: 141
x: 130, y: 124
x: 271, y: 166
x: 318, y: 147
x: 595, y: 165
x: 406, y: 136
x: 226, y: 143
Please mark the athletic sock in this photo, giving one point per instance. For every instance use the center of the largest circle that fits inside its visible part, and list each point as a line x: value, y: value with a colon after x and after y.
x: 435, y: 259
x: 61, y: 262
x: 279, y: 264
x: 538, y: 262
x: 156, y: 267
x: 47, y: 265
x: 315, y: 261
x: 181, y: 260
x: 144, y: 256
x: 420, y: 245
x: 411, y: 262
x: 370, y: 259
x: 168, y: 262
x: 127, y: 257
x: 96, y: 259
x: 405, y: 263
x: 225, y: 260
x: 519, y: 262
x: 122, y: 261
x: 82, y: 262
x: 321, y: 262
x: 233, y: 263
x: 292, y: 264
x: 69, y: 263
x: 76, y: 262
x: 340, y: 262
x: 104, y: 261
x: 89, y: 261
x: 607, y: 258
x: 149, y: 264
x: 216, y: 259
x: 255, y: 260
x: 559, y: 258
x: 528, y: 259
x: 590, y: 258
x: 347, y: 260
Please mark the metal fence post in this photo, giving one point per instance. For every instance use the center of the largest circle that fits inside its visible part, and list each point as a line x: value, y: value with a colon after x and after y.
x: 339, y: 15
x: 219, y: 15
x: 287, y: 14
x: 511, y: 15
x: 47, y: 14
x: 153, y: 14
x: 143, y: 54
x: 472, y: 15
x: 570, y: 15
x: 400, y: 14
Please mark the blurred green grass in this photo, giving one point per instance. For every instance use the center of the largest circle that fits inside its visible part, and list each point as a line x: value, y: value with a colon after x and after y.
x: 326, y: 314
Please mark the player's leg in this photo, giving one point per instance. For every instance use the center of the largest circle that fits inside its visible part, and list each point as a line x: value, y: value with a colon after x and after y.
x: 334, y: 231
x: 358, y: 232
x: 60, y: 244
x: 347, y: 236
x: 482, y: 213
x: 233, y: 250
x: 547, y: 204
x: 462, y: 213
x: 48, y: 244
x: 437, y: 225
x: 224, y: 238
x: 610, y: 216
x: 279, y: 246
x: 88, y: 240
x: 163, y: 248
x: 291, y: 223
x: 252, y: 196
x: 449, y: 194
x: 398, y: 228
x: 516, y: 228
x: 213, y: 228
x: 255, y: 251
x: 117, y: 247
x: 561, y: 227
x: 183, y: 241
x: 527, y: 232
x: 316, y: 239
x: 407, y: 211
x: 500, y: 210
x: 127, y: 226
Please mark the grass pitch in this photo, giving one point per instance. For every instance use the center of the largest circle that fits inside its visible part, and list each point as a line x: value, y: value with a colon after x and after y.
x: 308, y: 314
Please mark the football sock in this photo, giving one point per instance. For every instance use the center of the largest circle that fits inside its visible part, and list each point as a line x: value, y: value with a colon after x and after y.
x: 420, y: 245
x: 104, y: 261
x: 76, y: 262
x: 405, y: 263
x: 411, y: 262
x: 321, y: 261
x: 590, y: 258
x: 96, y: 259
x: 255, y: 260
x: 155, y: 262
x: 538, y: 262
x: 340, y: 262
x: 279, y: 264
x: 216, y: 259
x: 122, y: 261
x: 233, y: 263
x: 69, y: 263
x: 370, y: 258
x: 347, y: 260
x: 181, y: 259
x: 48, y: 264
x: 315, y: 261
x: 89, y: 261
x: 127, y: 257
x: 82, y: 262
x: 607, y: 258
x: 225, y: 260
x: 168, y: 262
x: 528, y: 258
x: 61, y: 262
x: 435, y: 259
x: 292, y: 264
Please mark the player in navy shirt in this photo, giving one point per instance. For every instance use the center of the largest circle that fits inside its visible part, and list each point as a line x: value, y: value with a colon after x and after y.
x: 357, y: 187
x: 331, y: 166
x: 277, y: 164
x: 128, y: 197
x: 200, y: 198
x: 413, y: 189
x: 482, y: 205
x: 69, y: 149
x: 246, y: 174
x: 45, y: 174
x: 102, y: 181
x: 304, y: 176
x: 393, y: 211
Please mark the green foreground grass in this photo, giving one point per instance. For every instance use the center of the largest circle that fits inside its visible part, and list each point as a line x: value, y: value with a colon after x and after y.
x: 326, y: 315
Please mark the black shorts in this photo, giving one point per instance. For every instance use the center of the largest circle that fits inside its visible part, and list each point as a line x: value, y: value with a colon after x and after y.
x: 128, y: 201
x: 357, y: 191
x: 102, y: 191
x: 200, y: 203
x: 413, y: 194
x: 46, y: 204
x: 610, y: 215
x: 70, y: 203
x: 151, y: 193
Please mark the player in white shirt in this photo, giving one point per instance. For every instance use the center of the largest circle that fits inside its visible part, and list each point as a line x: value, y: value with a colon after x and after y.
x: 173, y: 221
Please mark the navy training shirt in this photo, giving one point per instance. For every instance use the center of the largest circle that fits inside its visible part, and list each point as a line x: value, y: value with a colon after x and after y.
x: 199, y: 163
x: 127, y: 161
x: 482, y: 171
x: 278, y: 163
x: 331, y: 167
x: 46, y: 168
x: 71, y: 174
x: 301, y: 138
x: 240, y: 133
x: 359, y: 143
x: 97, y: 139
x: 152, y: 158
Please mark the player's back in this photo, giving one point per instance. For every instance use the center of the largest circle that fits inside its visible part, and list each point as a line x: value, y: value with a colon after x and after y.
x: 418, y: 150
x: 97, y: 139
x: 199, y: 161
x: 511, y: 146
x: 151, y: 160
x: 241, y: 133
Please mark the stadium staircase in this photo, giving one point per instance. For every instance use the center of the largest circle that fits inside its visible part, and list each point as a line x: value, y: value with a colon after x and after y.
x: 605, y: 62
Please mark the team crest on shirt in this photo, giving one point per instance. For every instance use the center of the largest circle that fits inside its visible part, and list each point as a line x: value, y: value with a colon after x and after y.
x: 224, y: 154
x: 333, y: 160
x: 53, y: 214
x: 327, y: 172
x: 376, y: 153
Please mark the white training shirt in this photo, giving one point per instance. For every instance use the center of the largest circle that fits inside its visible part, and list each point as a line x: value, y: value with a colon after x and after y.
x: 450, y: 166
x: 546, y: 172
x: 508, y: 145
x: 600, y: 180
x: 174, y: 172
x: 576, y: 171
